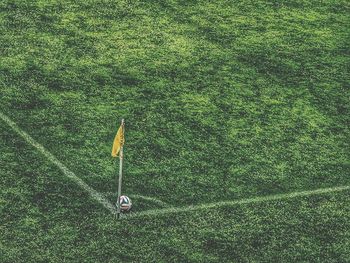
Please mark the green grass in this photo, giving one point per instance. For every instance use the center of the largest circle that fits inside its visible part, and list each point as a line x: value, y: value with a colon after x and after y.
x: 222, y: 101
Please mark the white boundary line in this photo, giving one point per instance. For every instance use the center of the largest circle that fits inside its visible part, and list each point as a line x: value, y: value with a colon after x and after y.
x: 92, y: 192
x: 151, y: 199
x: 109, y: 206
x: 238, y: 202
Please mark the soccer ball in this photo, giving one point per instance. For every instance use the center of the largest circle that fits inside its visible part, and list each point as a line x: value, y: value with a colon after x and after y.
x: 125, y: 203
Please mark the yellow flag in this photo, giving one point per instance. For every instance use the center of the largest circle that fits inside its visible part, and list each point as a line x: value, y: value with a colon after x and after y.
x: 118, y: 141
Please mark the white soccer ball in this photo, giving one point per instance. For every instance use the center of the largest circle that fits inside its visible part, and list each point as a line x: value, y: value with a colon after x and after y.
x: 125, y: 203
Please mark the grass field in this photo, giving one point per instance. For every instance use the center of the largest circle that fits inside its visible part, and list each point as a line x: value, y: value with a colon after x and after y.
x: 223, y: 101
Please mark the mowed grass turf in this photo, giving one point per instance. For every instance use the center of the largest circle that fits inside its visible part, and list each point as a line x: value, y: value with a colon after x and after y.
x: 46, y: 218
x: 222, y: 101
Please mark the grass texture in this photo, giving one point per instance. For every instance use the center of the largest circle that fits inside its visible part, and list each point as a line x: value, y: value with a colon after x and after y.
x: 223, y: 100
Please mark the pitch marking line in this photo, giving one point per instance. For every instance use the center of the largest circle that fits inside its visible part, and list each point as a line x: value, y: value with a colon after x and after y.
x: 151, y: 199
x: 93, y: 193
x: 238, y: 202
x: 109, y: 206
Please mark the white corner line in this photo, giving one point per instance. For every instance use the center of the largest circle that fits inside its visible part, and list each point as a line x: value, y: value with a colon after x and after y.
x: 110, y: 207
x: 150, y: 199
x: 92, y: 192
x: 216, y: 205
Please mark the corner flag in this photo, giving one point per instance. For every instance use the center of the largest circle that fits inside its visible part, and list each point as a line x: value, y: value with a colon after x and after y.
x: 118, y: 140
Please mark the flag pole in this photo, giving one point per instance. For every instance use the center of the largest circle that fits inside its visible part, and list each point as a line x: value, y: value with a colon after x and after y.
x: 121, y: 156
